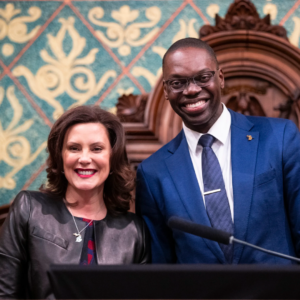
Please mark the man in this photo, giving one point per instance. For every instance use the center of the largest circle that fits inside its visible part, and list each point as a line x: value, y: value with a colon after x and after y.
x: 225, y: 170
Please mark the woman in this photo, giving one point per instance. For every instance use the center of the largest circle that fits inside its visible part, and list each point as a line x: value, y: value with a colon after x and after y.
x: 81, y: 216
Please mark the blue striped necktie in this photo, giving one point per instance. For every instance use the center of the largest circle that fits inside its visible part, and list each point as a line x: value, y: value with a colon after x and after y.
x: 217, y: 205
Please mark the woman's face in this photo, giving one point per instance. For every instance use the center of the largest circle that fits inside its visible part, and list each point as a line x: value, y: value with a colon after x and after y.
x: 86, y: 157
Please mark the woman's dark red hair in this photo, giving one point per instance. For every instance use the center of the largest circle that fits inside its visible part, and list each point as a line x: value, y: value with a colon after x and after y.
x: 119, y: 184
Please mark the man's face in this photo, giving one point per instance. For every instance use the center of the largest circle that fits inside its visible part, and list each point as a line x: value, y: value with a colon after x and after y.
x: 198, y: 107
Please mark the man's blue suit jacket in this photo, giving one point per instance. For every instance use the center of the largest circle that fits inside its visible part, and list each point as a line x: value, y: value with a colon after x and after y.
x: 266, y: 192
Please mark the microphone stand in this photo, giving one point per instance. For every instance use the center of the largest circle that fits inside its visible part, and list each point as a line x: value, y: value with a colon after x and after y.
x: 232, y: 239
x: 217, y: 235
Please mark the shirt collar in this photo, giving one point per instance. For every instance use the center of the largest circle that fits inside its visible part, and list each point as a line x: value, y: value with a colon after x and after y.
x: 219, y: 130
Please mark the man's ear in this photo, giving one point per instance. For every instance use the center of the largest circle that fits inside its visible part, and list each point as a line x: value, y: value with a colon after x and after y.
x: 165, y: 91
x: 221, y: 78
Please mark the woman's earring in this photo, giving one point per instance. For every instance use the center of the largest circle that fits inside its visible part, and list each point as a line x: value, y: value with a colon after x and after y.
x: 62, y: 172
x: 110, y: 173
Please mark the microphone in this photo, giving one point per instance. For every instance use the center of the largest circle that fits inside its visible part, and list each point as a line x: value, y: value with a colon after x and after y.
x: 217, y: 235
x: 200, y: 230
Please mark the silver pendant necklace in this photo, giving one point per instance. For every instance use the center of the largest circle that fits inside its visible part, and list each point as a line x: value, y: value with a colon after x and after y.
x: 78, y: 235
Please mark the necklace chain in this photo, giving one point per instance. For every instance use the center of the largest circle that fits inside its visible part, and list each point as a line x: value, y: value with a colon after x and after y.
x: 78, y: 234
x: 83, y: 227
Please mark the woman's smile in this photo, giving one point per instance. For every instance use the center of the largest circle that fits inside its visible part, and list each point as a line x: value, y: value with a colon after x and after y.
x: 85, y: 173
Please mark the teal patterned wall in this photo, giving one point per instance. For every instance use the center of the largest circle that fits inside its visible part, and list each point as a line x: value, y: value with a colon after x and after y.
x: 57, y: 54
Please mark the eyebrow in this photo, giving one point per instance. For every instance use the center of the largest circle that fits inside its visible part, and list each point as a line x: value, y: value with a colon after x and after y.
x: 74, y: 143
x: 97, y: 143
x: 198, y: 73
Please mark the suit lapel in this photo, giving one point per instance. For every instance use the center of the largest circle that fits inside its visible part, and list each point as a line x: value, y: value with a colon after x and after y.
x: 243, y: 160
x: 182, y: 172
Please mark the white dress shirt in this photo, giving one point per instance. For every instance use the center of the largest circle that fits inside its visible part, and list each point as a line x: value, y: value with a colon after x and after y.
x: 222, y: 148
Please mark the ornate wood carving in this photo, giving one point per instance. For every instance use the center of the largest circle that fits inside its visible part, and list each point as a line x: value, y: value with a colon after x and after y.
x: 290, y: 109
x: 159, y: 125
x: 242, y: 14
x: 131, y: 108
x: 244, y: 99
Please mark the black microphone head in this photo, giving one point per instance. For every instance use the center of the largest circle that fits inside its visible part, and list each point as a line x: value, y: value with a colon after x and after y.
x: 199, y: 230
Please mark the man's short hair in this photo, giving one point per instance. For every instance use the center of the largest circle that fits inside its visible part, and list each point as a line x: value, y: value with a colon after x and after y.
x: 191, y: 43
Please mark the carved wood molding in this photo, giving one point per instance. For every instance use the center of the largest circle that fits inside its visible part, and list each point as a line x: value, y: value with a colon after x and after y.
x: 159, y: 125
x: 242, y: 15
x: 131, y: 108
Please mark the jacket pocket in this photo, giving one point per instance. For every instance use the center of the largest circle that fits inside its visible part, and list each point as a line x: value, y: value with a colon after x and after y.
x: 265, y: 177
x: 41, y: 233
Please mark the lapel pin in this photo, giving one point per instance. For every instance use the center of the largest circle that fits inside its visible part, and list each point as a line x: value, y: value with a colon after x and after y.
x: 249, y: 137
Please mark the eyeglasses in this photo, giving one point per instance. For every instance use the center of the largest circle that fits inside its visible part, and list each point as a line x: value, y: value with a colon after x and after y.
x: 177, y: 85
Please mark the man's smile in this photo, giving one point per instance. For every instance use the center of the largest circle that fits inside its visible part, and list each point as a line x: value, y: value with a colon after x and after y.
x: 195, y: 106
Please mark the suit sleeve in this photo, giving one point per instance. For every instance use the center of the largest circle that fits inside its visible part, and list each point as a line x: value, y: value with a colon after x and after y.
x: 291, y: 178
x: 13, y: 249
x: 162, y: 243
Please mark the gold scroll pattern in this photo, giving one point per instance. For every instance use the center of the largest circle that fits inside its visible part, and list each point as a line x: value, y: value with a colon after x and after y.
x: 271, y: 9
x: 15, y: 28
x: 15, y: 150
x: 186, y: 30
x: 55, y: 78
x: 122, y: 35
x: 295, y: 36
x: 212, y: 10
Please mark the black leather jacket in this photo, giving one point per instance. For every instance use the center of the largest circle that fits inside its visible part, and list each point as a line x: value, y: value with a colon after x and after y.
x: 39, y: 231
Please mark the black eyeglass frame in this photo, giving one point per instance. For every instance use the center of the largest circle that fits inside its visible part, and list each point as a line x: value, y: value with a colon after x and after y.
x: 189, y: 79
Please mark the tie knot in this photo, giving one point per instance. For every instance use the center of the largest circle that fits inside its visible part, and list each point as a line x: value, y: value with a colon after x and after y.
x: 206, y: 140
